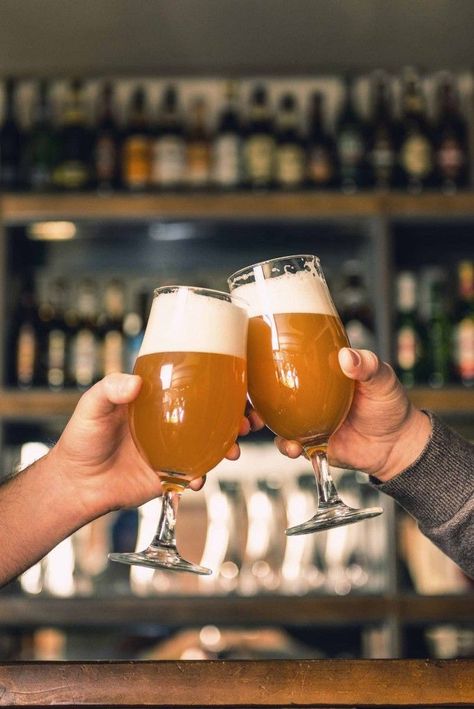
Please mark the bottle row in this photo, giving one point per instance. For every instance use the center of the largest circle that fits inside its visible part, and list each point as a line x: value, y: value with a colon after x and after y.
x: 252, y: 144
x: 71, y: 334
x: 434, y: 337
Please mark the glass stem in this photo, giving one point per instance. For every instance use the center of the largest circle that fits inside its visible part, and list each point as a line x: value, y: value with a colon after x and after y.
x: 166, y: 531
x: 327, y: 492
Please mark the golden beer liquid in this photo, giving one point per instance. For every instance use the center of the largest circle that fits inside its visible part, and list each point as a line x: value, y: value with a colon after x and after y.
x: 294, y: 378
x: 188, y: 412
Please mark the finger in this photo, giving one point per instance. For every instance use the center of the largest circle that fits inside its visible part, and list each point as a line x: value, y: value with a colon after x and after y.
x: 291, y: 449
x: 113, y: 390
x: 364, y: 366
x: 256, y: 423
x: 233, y: 453
x: 198, y: 483
x: 245, y: 427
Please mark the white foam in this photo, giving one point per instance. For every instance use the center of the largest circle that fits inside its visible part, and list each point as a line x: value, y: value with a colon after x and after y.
x: 300, y: 292
x: 183, y: 321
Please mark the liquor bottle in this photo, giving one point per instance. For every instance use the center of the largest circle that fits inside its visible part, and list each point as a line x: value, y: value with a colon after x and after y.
x: 259, y: 143
x: 106, y: 143
x: 111, y: 328
x: 198, y: 146
x: 27, y: 341
x: 321, y: 161
x: 354, y: 307
x: 73, y: 170
x: 10, y: 142
x: 438, y: 332
x: 463, y: 325
x: 408, y: 333
x: 451, y: 151
x: 382, y: 144
x: 54, y: 336
x: 84, y: 363
x: 227, y: 146
x: 136, y: 152
x: 42, y: 144
x: 289, y: 151
x: 351, y: 142
x: 416, y: 150
x: 168, y: 144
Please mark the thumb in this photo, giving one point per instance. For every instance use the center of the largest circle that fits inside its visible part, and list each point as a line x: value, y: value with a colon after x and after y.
x: 366, y: 368
x: 111, y: 391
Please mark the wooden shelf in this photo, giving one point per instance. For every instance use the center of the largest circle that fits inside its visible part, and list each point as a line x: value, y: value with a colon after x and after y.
x: 186, y: 611
x: 21, y: 208
x: 39, y: 403
x: 239, y: 683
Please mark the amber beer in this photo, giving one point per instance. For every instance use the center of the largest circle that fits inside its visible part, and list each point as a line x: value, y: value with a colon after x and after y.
x: 298, y: 388
x: 294, y: 378
x: 192, y: 363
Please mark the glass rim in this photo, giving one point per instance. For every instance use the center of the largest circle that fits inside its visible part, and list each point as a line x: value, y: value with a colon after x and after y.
x: 270, y: 260
x: 209, y: 292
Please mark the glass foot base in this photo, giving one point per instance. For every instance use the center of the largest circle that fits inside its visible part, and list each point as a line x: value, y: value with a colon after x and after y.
x: 157, y: 558
x: 333, y: 516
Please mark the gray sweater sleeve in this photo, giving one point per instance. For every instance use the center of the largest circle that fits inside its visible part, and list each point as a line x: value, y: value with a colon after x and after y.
x: 438, y: 491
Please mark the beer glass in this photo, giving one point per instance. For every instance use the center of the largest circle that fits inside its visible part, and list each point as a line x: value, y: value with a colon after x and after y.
x: 187, y: 415
x: 294, y: 378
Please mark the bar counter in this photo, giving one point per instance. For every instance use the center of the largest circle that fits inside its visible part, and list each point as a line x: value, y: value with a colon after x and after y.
x: 281, y: 683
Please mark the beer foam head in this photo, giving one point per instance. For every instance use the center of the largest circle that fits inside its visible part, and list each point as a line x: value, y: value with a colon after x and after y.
x: 300, y: 292
x: 184, y: 321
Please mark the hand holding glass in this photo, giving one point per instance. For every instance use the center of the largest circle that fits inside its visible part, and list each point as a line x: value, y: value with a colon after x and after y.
x: 187, y: 415
x: 294, y: 378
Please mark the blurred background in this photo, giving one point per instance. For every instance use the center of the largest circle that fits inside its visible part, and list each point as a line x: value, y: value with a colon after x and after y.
x: 159, y: 141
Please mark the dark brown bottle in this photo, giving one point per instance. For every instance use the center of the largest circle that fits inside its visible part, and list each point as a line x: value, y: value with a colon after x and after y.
x: 42, y: 144
x: 10, y: 142
x: 168, y: 148
x: 136, y: 146
x: 416, y: 150
x: 26, y: 370
x: 106, y: 143
x: 382, y: 141
x: 198, y: 146
x: 290, y: 156
x: 259, y: 142
x: 321, y: 160
x: 451, y: 148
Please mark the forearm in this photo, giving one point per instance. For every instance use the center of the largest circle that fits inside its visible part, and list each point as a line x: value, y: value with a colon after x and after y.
x: 437, y: 490
x: 36, y: 514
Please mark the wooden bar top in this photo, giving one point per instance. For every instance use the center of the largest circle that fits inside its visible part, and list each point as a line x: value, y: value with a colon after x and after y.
x: 280, y: 683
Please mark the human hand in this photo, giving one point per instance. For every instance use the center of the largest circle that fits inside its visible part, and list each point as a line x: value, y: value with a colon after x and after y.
x: 96, y: 456
x: 383, y: 432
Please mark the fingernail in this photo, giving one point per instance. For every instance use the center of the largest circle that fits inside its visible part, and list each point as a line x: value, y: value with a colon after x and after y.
x: 355, y: 356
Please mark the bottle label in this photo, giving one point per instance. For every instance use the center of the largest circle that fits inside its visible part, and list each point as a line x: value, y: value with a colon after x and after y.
x: 351, y: 148
x: 105, y: 158
x: 464, y: 349
x: 136, y: 166
x: 416, y: 156
x: 113, y: 352
x: 168, y: 161
x: 407, y: 348
x: 84, y: 358
x: 56, y: 358
x: 450, y: 158
x: 26, y: 355
x: 320, y: 165
x: 383, y: 160
x: 290, y: 165
x: 259, y: 152
x: 71, y: 175
x: 198, y: 163
x: 227, y: 160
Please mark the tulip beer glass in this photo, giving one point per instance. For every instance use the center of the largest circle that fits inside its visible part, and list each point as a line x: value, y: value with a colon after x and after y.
x: 294, y: 378
x: 187, y: 415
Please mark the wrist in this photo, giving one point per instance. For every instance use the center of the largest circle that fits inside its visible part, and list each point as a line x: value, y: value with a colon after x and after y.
x: 410, y: 443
